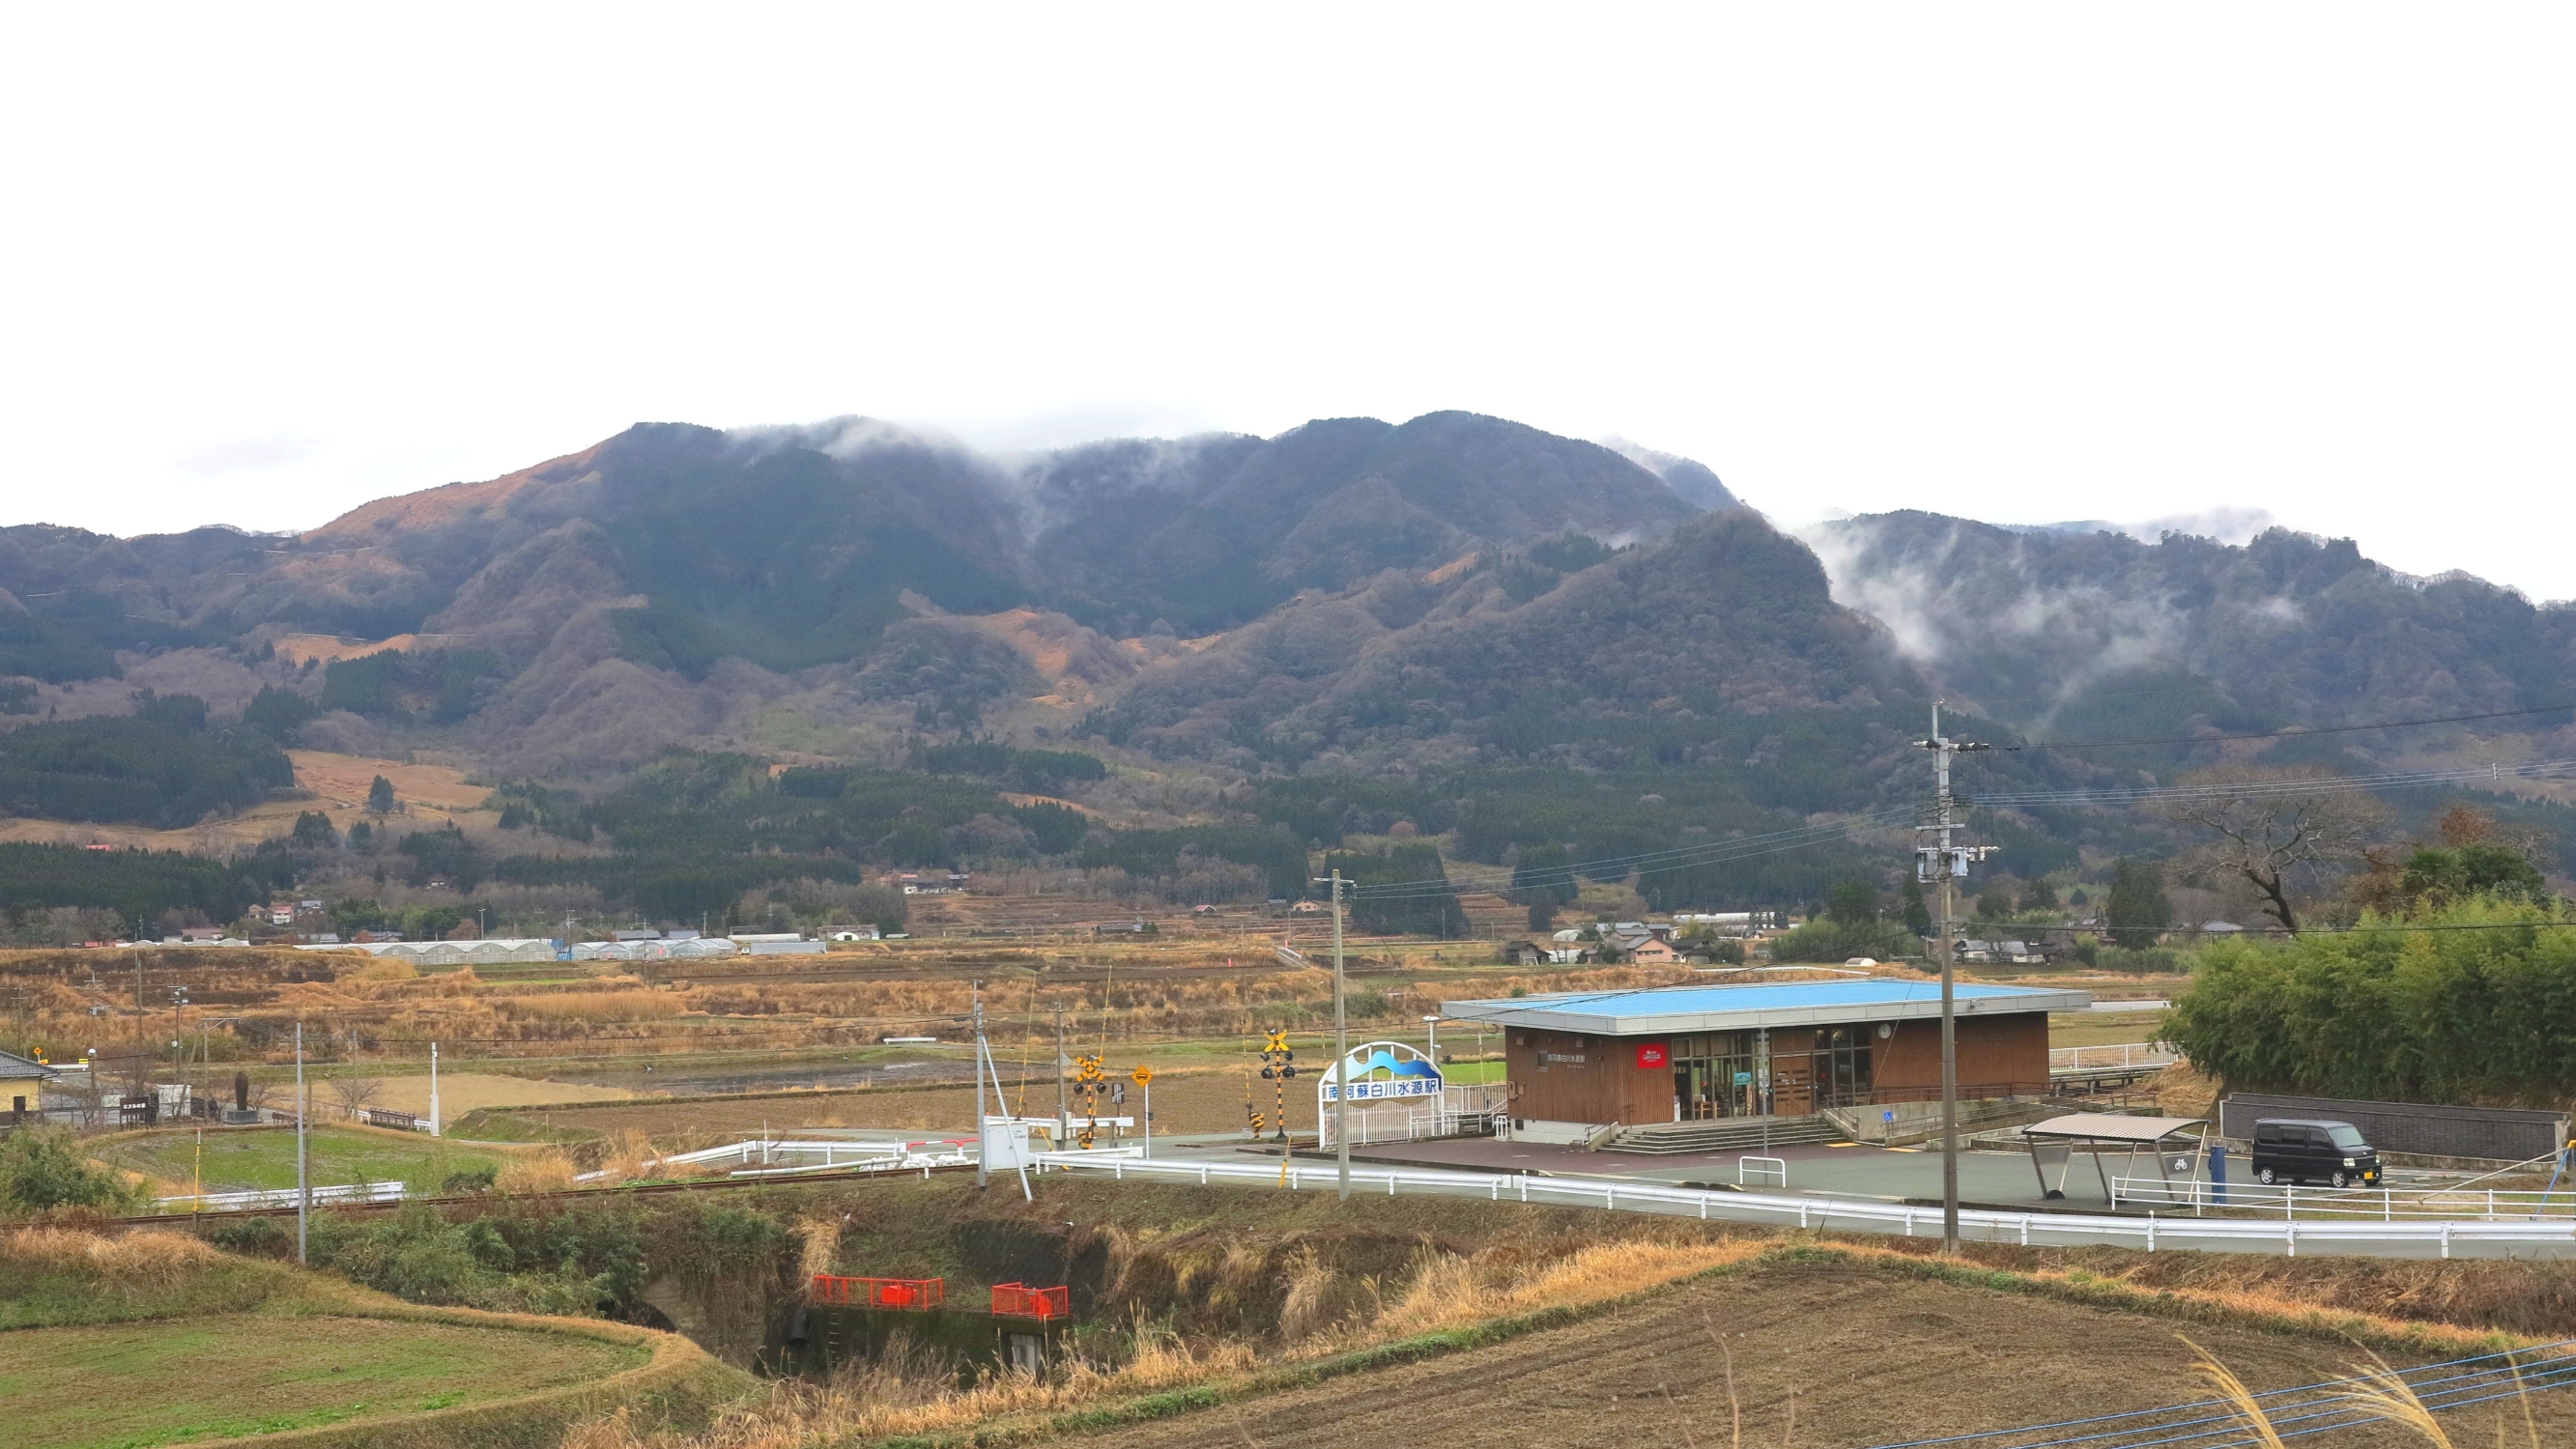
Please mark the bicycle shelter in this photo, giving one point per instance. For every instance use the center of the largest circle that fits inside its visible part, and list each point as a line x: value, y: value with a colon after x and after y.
x: 2055, y: 1142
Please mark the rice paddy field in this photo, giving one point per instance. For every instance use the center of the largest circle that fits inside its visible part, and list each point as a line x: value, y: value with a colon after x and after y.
x: 151, y: 1337
x: 236, y: 1375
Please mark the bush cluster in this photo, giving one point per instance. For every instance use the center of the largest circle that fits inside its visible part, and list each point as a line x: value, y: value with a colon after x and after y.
x: 2479, y: 1009
x: 42, y: 1170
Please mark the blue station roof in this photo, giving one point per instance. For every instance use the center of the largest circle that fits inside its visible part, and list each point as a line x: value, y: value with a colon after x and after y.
x: 1739, y: 1008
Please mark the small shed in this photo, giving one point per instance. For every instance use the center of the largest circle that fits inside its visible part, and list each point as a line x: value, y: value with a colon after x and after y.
x: 22, y: 1083
x: 2175, y: 1145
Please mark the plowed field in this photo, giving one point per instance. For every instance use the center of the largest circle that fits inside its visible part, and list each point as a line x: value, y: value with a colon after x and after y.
x: 1872, y: 1357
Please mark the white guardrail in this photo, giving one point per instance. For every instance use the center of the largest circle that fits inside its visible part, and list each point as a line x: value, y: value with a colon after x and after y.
x: 2401, y: 1238
x: 2387, y: 1204
x: 780, y: 1157
x: 2114, y: 1056
x: 222, y: 1202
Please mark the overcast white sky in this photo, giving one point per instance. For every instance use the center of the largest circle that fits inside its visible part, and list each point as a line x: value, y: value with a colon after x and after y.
x: 2021, y: 262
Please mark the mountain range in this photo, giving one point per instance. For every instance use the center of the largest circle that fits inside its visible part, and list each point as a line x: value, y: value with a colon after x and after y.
x: 1351, y: 599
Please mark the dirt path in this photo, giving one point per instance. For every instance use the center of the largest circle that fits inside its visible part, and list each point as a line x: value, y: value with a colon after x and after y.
x: 1873, y: 1358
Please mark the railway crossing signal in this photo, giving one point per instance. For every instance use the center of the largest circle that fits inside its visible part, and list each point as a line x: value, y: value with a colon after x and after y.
x: 1278, y: 1064
x: 1088, y: 1078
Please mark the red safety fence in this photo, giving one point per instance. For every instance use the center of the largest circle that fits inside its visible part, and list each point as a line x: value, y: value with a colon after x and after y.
x: 1019, y: 1300
x: 919, y: 1294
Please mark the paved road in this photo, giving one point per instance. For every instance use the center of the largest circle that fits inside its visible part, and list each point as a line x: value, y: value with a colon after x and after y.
x: 2024, y: 1222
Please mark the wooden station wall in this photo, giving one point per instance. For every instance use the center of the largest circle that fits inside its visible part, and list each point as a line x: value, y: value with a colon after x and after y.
x: 1560, y: 1076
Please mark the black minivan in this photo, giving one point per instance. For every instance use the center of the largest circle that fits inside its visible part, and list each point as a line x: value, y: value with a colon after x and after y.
x: 2288, y: 1149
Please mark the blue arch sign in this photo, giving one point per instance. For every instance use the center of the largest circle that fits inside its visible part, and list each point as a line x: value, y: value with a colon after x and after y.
x: 1381, y: 1071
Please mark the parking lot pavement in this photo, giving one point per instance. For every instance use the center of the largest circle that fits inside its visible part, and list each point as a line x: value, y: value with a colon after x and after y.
x: 2000, y: 1179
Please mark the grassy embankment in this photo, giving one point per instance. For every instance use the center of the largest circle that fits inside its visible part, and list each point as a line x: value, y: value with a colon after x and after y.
x: 154, y: 1338
x: 1192, y: 1298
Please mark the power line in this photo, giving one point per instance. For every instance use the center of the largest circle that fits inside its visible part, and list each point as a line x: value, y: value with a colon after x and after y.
x: 1800, y: 838
x: 1981, y: 701
x: 1742, y: 848
x: 2279, y: 933
x: 1651, y: 862
x: 2290, y: 733
x: 2291, y: 785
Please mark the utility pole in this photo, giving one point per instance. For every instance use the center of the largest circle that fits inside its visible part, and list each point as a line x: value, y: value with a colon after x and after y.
x: 303, y: 1190
x: 1341, y: 1052
x: 1063, y: 1107
x: 1942, y: 863
x: 1014, y: 1129
x: 983, y: 1129
x: 433, y: 1089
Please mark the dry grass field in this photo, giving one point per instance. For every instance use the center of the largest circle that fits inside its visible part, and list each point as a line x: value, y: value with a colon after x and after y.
x: 463, y: 1092
x: 431, y: 795
x: 1190, y: 1099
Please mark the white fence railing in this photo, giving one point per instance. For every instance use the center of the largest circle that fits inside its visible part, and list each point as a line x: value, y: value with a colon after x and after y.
x: 2387, y: 1204
x: 1457, y: 1110
x: 2112, y: 1057
x: 2401, y: 1238
x: 222, y: 1202
x: 770, y: 1157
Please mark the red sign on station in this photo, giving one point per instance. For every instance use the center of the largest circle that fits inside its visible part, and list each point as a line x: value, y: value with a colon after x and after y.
x: 1650, y: 1054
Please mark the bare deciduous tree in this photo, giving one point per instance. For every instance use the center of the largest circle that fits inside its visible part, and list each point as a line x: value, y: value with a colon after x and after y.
x: 355, y: 1094
x: 2268, y: 826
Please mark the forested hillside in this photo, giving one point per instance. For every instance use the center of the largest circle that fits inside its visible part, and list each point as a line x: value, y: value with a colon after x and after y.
x: 2076, y: 633
x: 159, y: 766
x: 875, y: 650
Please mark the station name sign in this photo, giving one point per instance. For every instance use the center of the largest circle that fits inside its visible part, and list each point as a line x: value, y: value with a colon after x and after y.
x: 1381, y: 1071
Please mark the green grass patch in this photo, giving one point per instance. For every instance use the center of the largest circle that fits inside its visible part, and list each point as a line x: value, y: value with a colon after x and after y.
x: 244, y: 1158
x: 36, y: 1292
x: 134, y: 1385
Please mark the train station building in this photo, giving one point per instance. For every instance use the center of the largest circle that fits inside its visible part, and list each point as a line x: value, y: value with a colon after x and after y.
x: 1579, y: 1062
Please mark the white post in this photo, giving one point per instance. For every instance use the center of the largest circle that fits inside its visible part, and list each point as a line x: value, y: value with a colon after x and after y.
x: 1149, y: 1119
x: 1341, y: 1056
x: 303, y: 1188
x: 433, y: 1089
x: 983, y: 1130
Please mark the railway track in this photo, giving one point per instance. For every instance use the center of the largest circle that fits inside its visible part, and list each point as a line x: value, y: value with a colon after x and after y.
x: 492, y: 1200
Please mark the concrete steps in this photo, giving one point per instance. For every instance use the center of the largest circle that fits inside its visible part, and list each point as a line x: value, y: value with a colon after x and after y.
x: 1723, y: 1134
